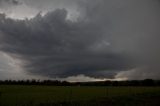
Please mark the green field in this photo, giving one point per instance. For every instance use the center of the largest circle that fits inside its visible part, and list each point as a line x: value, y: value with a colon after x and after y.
x: 16, y: 95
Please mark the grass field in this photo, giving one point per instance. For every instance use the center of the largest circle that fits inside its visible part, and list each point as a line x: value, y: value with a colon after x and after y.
x: 16, y: 95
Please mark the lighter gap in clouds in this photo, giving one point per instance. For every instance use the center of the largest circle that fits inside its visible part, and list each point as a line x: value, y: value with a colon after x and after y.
x: 84, y: 78
x: 73, y: 15
x: 10, y: 69
x: 23, y: 11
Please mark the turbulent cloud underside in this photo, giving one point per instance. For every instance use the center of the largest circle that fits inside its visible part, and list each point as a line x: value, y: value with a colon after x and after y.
x: 107, y: 39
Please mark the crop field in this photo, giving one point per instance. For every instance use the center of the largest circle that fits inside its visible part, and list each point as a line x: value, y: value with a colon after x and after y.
x: 18, y: 95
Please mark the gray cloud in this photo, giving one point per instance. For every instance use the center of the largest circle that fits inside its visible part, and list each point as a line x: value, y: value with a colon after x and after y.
x: 110, y: 36
x: 4, y: 3
x: 52, y: 46
x: 133, y: 30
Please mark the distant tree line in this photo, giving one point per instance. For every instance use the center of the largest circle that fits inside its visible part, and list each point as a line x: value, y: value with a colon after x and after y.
x: 146, y: 82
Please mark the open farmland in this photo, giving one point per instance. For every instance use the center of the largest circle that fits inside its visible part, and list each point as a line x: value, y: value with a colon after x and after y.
x: 18, y: 95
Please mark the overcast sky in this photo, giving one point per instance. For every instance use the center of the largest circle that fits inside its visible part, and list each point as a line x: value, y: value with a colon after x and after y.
x: 79, y: 40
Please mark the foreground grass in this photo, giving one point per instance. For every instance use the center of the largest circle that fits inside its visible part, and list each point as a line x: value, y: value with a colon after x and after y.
x: 16, y: 95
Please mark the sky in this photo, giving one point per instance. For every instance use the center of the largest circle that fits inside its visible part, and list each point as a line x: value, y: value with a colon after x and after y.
x: 79, y: 40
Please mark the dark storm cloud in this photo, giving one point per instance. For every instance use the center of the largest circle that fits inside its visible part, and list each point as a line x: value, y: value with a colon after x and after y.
x: 110, y: 36
x: 134, y: 30
x: 52, y: 46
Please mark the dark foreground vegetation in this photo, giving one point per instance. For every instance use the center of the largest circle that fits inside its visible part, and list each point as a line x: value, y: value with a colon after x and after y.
x: 146, y: 82
x: 36, y: 95
x: 57, y: 93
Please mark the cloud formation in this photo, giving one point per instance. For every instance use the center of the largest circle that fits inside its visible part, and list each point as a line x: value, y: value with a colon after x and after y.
x: 52, y: 46
x: 108, y: 37
x: 5, y: 4
x: 11, y: 2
